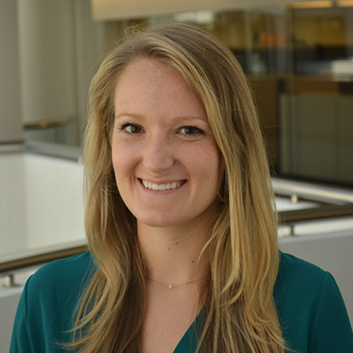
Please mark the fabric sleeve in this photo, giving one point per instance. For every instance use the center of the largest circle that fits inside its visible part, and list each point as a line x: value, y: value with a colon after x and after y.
x: 46, y: 310
x: 330, y: 330
x: 20, y: 339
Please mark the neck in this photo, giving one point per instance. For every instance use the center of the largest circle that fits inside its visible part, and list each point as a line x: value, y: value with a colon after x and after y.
x: 171, y: 255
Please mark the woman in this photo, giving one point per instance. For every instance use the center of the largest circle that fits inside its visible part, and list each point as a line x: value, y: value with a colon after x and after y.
x: 180, y: 221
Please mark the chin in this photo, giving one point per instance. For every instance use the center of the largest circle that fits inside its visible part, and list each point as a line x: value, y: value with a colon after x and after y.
x: 158, y: 222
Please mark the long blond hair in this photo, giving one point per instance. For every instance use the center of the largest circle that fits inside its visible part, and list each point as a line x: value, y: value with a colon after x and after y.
x: 240, y: 313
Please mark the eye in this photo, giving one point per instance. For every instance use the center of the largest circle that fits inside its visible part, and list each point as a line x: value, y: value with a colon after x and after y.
x: 191, y: 130
x: 131, y: 128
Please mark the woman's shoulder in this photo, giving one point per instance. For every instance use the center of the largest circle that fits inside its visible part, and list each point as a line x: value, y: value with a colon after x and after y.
x: 299, y: 281
x: 293, y: 270
x: 64, y: 275
x: 311, y: 309
x: 46, y: 310
x: 74, y: 265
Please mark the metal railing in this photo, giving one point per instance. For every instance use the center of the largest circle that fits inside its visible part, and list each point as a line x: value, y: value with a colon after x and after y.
x: 331, y: 202
x: 44, y: 124
x: 312, y: 191
x: 29, y: 260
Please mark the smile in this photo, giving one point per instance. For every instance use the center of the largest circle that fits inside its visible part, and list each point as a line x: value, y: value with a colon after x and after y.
x: 162, y: 187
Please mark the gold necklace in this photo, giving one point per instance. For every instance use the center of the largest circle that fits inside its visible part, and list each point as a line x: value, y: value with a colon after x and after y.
x: 170, y: 286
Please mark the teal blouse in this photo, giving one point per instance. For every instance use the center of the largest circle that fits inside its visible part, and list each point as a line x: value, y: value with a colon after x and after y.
x: 311, y: 310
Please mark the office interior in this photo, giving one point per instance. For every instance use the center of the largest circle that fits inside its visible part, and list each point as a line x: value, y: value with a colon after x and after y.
x: 298, y: 58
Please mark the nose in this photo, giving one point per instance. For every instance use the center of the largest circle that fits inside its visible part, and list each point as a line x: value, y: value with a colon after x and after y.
x: 158, y: 154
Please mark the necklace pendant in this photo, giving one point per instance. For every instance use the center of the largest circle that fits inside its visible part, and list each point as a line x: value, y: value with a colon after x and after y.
x: 170, y: 286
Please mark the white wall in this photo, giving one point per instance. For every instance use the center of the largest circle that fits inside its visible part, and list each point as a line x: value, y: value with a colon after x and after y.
x: 47, y: 59
x: 10, y: 113
x: 90, y: 51
x: 41, y: 202
x: 12, y: 225
x: 53, y: 201
x: 59, y: 48
x: 8, y: 307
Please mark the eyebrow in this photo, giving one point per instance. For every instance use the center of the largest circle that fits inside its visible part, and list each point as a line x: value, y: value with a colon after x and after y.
x: 138, y: 116
x: 133, y: 115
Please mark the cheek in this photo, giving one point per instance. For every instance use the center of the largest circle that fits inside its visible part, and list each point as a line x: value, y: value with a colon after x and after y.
x: 122, y: 166
x: 208, y: 162
x: 122, y: 158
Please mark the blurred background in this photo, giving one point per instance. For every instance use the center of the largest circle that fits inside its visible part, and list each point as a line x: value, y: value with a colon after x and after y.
x: 298, y: 57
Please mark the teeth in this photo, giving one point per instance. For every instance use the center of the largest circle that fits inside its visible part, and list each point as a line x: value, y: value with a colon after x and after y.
x: 152, y: 186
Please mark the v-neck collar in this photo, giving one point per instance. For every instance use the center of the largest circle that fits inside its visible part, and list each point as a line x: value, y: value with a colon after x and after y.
x: 188, y: 342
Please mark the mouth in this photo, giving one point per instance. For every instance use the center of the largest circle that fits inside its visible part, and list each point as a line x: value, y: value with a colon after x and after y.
x: 161, y: 187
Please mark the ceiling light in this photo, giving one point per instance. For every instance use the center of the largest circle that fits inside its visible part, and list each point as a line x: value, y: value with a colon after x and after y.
x: 197, y: 17
x: 344, y: 3
x: 311, y: 4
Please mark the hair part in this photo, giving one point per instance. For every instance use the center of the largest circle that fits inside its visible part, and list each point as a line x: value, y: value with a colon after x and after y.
x: 240, y: 314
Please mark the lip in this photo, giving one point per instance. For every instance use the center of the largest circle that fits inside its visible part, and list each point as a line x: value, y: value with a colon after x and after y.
x: 161, y: 186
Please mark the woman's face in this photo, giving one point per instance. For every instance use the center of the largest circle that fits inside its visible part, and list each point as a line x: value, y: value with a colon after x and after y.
x: 167, y: 165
